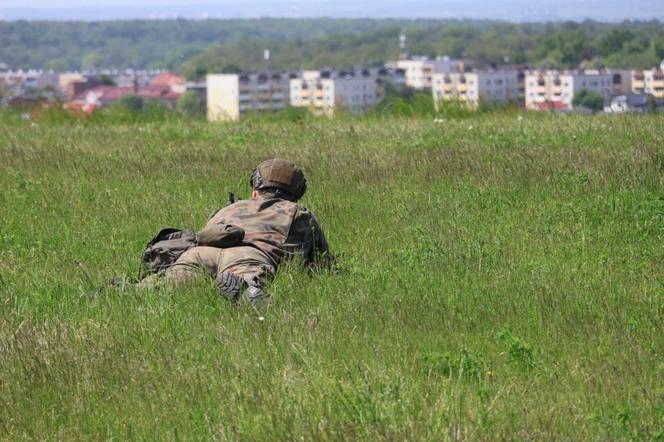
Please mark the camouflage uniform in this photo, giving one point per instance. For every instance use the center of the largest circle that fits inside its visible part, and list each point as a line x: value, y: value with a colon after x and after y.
x: 274, y: 229
x: 244, y: 243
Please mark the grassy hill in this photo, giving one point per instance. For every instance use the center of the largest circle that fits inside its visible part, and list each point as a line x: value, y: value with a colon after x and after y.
x: 499, y: 278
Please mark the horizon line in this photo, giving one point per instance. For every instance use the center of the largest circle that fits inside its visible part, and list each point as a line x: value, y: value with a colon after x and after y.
x: 329, y: 17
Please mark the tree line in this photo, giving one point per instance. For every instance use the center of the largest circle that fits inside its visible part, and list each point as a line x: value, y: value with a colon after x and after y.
x: 197, y: 47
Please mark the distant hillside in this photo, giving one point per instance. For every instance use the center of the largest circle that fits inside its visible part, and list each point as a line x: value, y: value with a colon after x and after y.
x: 196, y: 47
x: 158, y: 43
x: 591, y: 44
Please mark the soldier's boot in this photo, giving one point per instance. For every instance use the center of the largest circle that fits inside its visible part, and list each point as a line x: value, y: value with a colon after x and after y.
x: 230, y: 285
x: 235, y: 288
x: 258, y: 297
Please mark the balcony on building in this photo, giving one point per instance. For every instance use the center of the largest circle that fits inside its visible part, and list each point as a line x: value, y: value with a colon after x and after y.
x: 245, y: 83
x: 462, y: 87
x: 277, y: 82
x: 318, y: 90
x: 447, y: 84
x: 305, y: 90
x: 262, y: 82
x: 557, y: 87
x: 264, y: 95
x: 638, y: 81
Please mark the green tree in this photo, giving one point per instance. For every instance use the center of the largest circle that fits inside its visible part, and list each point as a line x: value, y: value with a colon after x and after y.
x: 132, y: 102
x: 589, y: 99
x: 614, y: 41
x: 190, y: 104
x: 658, y: 45
x: 195, y: 71
x: 91, y: 60
x: 231, y: 69
x: 58, y: 65
x: 106, y: 80
x: 651, y: 104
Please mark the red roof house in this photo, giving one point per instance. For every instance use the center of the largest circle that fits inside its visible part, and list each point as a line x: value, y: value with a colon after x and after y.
x: 171, y: 80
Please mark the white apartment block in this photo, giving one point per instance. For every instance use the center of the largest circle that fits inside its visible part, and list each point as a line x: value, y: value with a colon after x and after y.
x: 325, y: 91
x: 649, y: 82
x: 556, y: 89
x: 474, y: 88
x: 231, y: 95
x: 419, y: 71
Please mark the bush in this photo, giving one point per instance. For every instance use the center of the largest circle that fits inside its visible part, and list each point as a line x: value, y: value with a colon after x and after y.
x: 131, y: 102
x: 406, y: 104
x: 190, y: 105
x: 589, y: 99
x: 290, y: 114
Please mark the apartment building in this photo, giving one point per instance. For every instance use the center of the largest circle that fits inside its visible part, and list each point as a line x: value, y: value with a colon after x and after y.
x: 419, y: 71
x: 325, y: 91
x: 555, y: 90
x: 231, y: 95
x: 396, y: 77
x: 621, y: 81
x: 478, y: 87
x: 649, y: 82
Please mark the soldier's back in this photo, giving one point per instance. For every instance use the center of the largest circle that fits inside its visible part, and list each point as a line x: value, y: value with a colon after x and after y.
x: 266, y: 223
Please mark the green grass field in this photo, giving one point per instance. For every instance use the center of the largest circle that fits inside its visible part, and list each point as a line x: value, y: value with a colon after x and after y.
x: 500, y: 277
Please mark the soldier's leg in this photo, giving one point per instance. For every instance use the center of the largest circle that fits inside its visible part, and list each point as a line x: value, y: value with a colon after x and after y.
x: 245, y: 281
x: 191, y: 264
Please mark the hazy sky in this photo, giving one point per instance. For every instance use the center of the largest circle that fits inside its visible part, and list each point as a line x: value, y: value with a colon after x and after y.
x: 513, y: 10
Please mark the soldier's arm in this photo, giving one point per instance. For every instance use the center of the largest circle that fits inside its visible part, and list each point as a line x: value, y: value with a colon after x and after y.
x: 321, y: 257
x: 220, y: 235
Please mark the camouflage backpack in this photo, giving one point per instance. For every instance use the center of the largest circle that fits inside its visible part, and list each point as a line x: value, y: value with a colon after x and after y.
x: 165, y: 248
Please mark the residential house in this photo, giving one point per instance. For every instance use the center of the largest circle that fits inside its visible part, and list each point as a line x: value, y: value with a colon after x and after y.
x: 629, y: 103
x: 170, y: 80
x: 89, y: 99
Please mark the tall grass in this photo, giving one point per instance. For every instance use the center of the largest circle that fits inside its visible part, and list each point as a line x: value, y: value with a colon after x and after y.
x: 499, y: 278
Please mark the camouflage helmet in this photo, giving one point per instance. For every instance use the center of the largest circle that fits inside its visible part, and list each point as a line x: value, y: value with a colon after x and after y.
x: 280, y: 174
